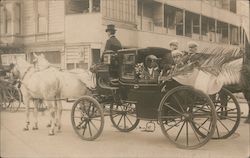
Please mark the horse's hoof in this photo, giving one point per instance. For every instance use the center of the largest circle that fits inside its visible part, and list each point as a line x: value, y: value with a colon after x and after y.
x: 25, y: 129
x: 48, y: 125
x: 35, y: 128
x: 51, y: 133
x: 59, y: 129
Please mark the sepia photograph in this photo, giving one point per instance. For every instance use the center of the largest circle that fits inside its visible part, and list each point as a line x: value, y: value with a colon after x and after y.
x: 124, y: 79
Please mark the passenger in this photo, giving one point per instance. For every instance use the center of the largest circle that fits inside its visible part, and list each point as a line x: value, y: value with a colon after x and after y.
x: 151, y: 70
x: 174, y: 45
x: 177, y: 56
x: 191, y: 55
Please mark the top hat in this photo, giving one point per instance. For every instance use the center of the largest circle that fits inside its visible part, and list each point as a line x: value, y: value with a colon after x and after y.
x: 110, y: 27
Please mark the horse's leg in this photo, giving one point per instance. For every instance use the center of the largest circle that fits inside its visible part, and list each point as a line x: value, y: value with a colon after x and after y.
x: 247, y: 97
x: 35, y: 113
x: 59, y: 115
x: 52, y: 111
x: 26, y: 102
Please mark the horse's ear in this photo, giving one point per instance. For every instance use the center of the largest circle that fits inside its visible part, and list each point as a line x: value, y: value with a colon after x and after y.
x: 42, y: 55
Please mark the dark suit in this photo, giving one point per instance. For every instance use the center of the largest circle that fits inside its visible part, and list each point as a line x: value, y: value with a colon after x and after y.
x: 113, y: 44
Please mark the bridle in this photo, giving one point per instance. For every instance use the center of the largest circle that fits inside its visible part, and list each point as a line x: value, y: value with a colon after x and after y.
x: 25, y: 73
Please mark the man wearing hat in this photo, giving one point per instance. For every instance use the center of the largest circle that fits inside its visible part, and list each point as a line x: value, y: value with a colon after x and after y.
x: 112, y: 43
x: 151, y: 69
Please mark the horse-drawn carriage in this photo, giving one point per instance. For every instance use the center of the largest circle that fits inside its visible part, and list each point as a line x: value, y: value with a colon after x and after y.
x: 188, y: 117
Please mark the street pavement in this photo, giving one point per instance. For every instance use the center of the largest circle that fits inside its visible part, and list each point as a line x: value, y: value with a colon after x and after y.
x: 16, y: 143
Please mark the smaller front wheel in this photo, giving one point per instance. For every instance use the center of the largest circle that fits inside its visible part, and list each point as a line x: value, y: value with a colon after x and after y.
x: 87, y: 118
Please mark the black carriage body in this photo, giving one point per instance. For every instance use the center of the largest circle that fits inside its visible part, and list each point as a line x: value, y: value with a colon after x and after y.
x: 147, y: 93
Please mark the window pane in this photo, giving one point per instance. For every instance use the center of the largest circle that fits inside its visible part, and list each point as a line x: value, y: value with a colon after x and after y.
x: 122, y: 10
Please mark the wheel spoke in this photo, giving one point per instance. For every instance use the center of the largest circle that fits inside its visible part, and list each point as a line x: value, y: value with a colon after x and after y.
x: 180, y: 131
x: 187, y: 131
x: 174, y: 125
x: 217, y: 131
x: 119, y: 120
x: 196, y: 135
x: 79, y: 125
x: 84, y: 128
x: 223, y: 125
x: 114, y: 116
x: 178, y: 103
x: 228, y: 118
x: 173, y: 109
x: 93, y: 125
x: 227, y: 110
x: 124, y: 121
x: 90, y: 132
x: 200, y: 126
x: 129, y: 120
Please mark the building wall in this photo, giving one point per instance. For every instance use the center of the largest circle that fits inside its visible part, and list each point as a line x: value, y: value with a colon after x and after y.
x: 77, y: 34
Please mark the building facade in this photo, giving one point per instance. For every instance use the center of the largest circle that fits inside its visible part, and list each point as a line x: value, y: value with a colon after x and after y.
x: 71, y: 33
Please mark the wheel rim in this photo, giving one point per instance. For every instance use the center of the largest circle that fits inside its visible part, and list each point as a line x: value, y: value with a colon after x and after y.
x: 123, y: 117
x: 228, y: 114
x: 87, y: 118
x: 182, y: 111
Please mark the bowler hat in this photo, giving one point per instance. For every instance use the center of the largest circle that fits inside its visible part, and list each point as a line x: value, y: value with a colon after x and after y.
x: 110, y: 27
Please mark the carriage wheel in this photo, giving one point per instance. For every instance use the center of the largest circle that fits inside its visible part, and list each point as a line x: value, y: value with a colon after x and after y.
x: 228, y: 114
x: 87, y: 118
x: 182, y: 111
x: 3, y: 101
x: 14, y: 99
x: 123, y: 116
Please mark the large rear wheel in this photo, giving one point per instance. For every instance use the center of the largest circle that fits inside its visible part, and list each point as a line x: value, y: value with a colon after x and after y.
x: 182, y: 111
x: 87, y: 118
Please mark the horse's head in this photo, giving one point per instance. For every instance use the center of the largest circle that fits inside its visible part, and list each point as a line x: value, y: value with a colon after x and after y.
x: 18, y: 68
x: 40, y: 62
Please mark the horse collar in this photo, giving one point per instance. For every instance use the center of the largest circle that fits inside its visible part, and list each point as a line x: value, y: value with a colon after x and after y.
x: 25, y: 73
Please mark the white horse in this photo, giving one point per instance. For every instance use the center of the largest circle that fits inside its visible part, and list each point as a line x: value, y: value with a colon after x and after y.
x: 37, y: 85
x: 72, y: 85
